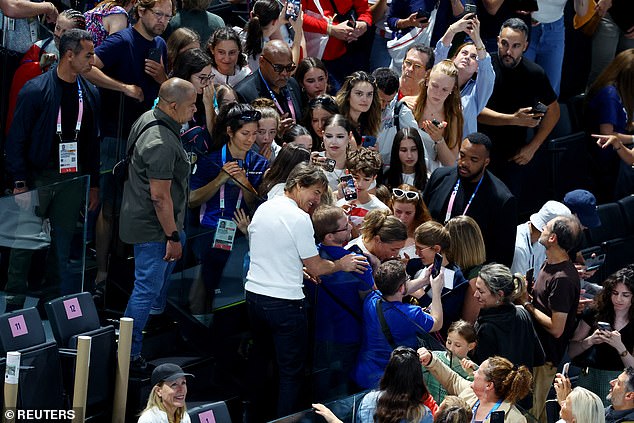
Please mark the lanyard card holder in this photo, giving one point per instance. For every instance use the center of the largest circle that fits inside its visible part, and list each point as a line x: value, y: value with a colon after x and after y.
x: 225, y: 234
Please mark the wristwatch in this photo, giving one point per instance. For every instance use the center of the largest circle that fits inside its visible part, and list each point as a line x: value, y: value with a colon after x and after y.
x: 624, y: 353
x: 19, y: 184
x: 175, y: 237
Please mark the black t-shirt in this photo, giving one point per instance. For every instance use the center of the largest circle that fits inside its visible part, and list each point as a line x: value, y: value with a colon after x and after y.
x: 70, y: 109
x: 490, y: 24
x: 557, y: 289
x: 607, y: 357
x: 522, y: 86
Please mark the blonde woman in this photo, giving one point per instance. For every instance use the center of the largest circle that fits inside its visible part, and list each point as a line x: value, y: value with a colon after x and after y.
x: 166, y: 403
x: 438, y: 111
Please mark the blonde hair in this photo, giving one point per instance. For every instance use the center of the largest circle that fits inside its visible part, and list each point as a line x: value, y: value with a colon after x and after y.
x: 467, y: 247
x: 155, y: 401
x: 452, y: 105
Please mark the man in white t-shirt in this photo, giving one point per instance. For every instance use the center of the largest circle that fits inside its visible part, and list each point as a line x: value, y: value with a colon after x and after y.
x: 282, y: 246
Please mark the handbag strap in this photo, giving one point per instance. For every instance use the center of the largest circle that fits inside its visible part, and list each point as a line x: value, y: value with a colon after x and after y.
x: 384, y: 327
x: 396, y: 113
x: 156, y: 122
x: 334, y: 6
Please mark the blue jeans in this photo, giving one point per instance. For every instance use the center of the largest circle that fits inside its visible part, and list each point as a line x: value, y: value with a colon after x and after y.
x: 280, y: 326
x: 379, y: 58
x: 546, y: 48
x: 149, y: 296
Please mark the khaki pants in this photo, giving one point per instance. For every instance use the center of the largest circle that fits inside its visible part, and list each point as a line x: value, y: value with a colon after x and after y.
x: 543, y: 377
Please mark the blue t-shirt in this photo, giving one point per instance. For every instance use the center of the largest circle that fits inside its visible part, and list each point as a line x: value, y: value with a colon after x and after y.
x: 333, y: 323
x: 375, y: 349
x: 208, y: 167
x: 606, y: 107
x: 123, y: 55
x: 368, y: 408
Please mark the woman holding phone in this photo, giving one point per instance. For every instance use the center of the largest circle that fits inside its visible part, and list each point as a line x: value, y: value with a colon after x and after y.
x: 604, y: 339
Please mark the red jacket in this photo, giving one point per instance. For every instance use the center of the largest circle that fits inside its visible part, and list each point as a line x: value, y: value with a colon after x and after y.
x: 335, y: 47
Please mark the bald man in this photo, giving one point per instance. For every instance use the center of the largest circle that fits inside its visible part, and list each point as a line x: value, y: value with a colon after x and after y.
x: 154, y: 200
x: 273, y: 80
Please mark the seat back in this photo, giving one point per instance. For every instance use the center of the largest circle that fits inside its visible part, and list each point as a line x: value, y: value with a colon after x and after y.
x: 568, y: 160
x: 72, y: 315
x: 40, y: 386
x: 102, y: 364
x: 210, y: 413
x: 627, y: 208
x: 21, y: 329
x: 612, y: 224
x: 576, y: 111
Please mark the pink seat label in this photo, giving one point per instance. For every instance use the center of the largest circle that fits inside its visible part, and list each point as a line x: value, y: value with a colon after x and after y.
x: 18, y: 326
x: 73, y: 310
x: 207, y: 417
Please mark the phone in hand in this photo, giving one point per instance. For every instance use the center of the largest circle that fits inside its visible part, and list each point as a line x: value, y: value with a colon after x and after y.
x: 564, y: 370
x: 436, y: 122
x: 530, y: 280
x: 350, y: 190
x: 423, y: 14
x: 154, y: 54
x: 329, y: 165
x: 539, y: 108
x: 470, y: 8
x: 368, y: 141
x: 292, y: 9
x: 435, y: 270
x: 604, y: 326
x: 594, y: 262
x: 497, y: 417
x: 352, y: 23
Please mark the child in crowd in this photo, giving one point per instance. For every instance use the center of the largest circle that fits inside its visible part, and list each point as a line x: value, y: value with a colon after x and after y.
x: 461, y: 339
x: 267, y: 131
x: 364, y: 166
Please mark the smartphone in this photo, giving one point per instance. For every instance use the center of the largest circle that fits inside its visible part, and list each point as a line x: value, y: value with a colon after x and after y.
x: 154, y: 54
x: 368, y: 141
x: 470, y: 8
x: 420, y: 14
x: 594, y: 262
x: 530, y: 280
x: 604, y: 326
x: 329, y: 165
x: 497, y: 417
x: 436, y: 123
x: 564, y: 370
x: 435, y: 270
x: 539, y: 108
x: 240, y: 163
x: 292, y: 9
x: 349, y: 191
x: 352, y: 23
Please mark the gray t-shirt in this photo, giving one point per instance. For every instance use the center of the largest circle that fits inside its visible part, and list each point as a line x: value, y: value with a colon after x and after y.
x: 158, y: 154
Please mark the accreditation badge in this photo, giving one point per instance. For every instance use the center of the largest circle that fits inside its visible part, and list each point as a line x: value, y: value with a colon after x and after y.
x: 225, y: 234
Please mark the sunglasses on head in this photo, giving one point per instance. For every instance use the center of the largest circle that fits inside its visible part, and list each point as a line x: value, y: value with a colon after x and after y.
x: 410, y: 195
x: 281, y: 68
x: 248, y: 116
x: 325, y: 100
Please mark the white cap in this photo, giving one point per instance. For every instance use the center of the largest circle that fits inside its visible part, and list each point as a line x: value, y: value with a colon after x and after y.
x: 548, y: 212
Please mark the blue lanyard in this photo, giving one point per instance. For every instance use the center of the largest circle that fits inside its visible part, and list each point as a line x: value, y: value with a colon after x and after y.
x: 477, y: 404
x: 274, y: 98
x: 453, y: 198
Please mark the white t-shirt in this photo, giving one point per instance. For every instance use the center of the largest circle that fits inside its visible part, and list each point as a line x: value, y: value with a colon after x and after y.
x: 231, y: 80
x: 549, y: 10
x: 277, y: 189
x: 280, y: 235
x: 155, y: 415
x: 373, y: 204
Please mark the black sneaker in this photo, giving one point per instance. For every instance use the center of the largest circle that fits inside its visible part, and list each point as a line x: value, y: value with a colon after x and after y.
x: 99, y: 293
x: 139, y: 366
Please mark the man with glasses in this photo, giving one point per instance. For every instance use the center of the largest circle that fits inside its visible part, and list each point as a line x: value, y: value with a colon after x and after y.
x: 131, y: 61
x: 273, y: 80
x: 338, y: 307
x: 418, y: 60
x: 471, y: 189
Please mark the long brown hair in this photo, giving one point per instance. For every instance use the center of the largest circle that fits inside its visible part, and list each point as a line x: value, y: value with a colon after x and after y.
x: 421, y: 214
x: 370, y: 120
x: 620, y: 73
x: 452, y: 104
x: 604, y: 307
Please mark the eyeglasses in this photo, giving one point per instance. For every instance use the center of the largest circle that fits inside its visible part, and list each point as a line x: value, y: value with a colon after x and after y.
x: 419, y: 249
x: 410, y: 195
x: 342, y: 229
x: 204, y: 79
x: 160, y: 15
x: 281, y: 68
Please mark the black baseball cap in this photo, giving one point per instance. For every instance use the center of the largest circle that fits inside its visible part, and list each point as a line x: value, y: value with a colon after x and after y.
x: 167, y: 372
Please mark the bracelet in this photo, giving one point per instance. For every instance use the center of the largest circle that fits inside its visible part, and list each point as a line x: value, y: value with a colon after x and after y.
x: 632, y: 139
x: 439, y: 142
x: 483, y: 48
x: 526, y: 304
x: 329, y: 28
x: 624, y: 353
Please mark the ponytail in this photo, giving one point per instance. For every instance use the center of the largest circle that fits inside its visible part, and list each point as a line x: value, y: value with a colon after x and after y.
x: 510, y: 382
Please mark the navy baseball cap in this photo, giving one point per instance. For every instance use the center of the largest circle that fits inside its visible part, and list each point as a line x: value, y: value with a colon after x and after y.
x: 584, y: 205
x: 167, y: 372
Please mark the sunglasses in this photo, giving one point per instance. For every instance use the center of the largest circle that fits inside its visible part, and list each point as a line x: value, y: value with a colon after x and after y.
x: 248, y: 116
x: 281, y: 68
x: 321, y: 100
x: 410, y: 195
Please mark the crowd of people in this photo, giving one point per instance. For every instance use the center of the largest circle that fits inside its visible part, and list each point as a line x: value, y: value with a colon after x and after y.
x: 379, y: 201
